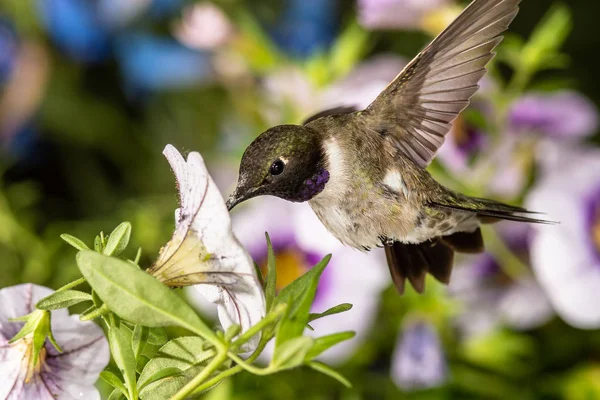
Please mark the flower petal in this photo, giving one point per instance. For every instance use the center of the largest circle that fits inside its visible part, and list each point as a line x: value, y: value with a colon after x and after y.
x: 418, y: 361
x: 18, y: 301
x: 203, y: 249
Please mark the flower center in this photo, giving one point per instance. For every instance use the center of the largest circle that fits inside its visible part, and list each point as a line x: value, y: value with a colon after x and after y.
x: 291, y: 264
x: 27, y: 361
x: 596, y: 225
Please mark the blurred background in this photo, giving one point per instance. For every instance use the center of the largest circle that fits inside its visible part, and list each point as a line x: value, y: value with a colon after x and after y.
x: 92, y: 90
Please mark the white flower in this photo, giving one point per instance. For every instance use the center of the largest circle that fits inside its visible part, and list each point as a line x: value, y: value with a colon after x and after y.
x: 67, y: 375
x: 205, y: 253
x: 566, y: 257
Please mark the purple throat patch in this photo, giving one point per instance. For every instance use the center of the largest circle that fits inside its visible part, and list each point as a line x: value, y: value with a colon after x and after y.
x: 314, y: 185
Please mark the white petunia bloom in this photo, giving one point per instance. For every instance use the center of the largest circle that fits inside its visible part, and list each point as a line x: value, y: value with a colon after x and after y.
x: 205, y: 253
x: 67, y: 375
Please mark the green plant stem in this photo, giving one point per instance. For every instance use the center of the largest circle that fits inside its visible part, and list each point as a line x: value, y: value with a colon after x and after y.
x: 72, y: 284
x: 263, y: 323
x: 99, y: 312
x: 216, y: 362
x: 510, y: 263
x: 231, y: 371
x: 248, y: 366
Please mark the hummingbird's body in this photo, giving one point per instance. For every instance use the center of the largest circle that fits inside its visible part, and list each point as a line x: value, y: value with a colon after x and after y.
x: 363, y: 172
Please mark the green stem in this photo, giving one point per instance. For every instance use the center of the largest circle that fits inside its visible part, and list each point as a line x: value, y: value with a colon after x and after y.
x: 249, y: 367
x: 216, y: 362
x: 98, y: 312
x: 510, y: 263
x: 218, y: 378
x: 263, y: 323
x: 72, y: 284
x: 232, y: 371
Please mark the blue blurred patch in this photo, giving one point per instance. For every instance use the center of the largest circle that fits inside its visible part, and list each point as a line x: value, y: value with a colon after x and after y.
x: 306, y: 26
x: 9, y: 44
x: 150, y: 63
x: 75, y: 27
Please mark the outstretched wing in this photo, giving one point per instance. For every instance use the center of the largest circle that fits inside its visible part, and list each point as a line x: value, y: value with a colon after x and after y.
x: 417, y: 109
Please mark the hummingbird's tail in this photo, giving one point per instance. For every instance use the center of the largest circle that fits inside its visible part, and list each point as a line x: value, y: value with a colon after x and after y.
x: 413, y: 261
x: 489, y: 211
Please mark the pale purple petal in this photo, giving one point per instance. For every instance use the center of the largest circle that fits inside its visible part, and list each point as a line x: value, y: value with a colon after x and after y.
x: 559, y: 115
x: 525, y: 305
x: 67, y: 375
x: 418, y: 361
x: 396, y: 14
x: 564, y: 257
x: 17, y: 301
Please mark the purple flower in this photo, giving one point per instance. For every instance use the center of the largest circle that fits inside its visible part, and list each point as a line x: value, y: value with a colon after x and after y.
x: 566, y: 257
x: 561, y: 115
x: 67, y: 375
x: 418, y: 361
x: 491, y: 297
x: 300, y: 241
x: 396, y: 14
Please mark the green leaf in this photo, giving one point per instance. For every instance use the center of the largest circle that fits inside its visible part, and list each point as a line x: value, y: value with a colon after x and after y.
x: 118, y: 239
x: 299, y: 296
x: 327, y: 370
x: 548, y: 37
x: 291, y: 353
x: 116, y: 395
x: 180, y: 353
x: 122, y: 353
x: 174, y: 365
x: 73, y: 241
x: 271, y: 287
x: 157, y: 336
x: 136, y: 296
x: 332, y: 311
x: 325, y: 342
x: 140, y: 337
x: 63, y: 299
x: 113, y: 381
x: 98, y: 244
x: 348, y: 50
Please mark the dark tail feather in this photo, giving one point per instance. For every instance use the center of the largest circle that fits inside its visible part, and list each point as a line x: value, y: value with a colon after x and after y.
x: 414, y: 261
x: 490, y: 211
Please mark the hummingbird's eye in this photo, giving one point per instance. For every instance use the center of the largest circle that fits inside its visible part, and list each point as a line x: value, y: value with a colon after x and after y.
x: 277, y: 167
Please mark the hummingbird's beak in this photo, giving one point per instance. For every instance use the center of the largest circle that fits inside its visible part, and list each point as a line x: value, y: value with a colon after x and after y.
x: 236, y: 198
x: 233, y: 201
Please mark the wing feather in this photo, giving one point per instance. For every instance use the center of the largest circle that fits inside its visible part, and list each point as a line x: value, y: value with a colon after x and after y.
x: 417, y: 108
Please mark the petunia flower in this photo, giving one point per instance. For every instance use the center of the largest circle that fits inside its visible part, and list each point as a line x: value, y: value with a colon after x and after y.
x: 566, y: 257
x: 418, y: 361
x: 561, y: 115
x: 70, y: 374
x: 397, y: 14
x: 300, y: 241
x: 205, y: 253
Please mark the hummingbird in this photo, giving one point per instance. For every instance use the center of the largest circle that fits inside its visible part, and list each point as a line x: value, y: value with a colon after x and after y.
x: 363, y: 172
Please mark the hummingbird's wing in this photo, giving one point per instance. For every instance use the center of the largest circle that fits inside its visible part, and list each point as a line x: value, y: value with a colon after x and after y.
x: 417, y: 109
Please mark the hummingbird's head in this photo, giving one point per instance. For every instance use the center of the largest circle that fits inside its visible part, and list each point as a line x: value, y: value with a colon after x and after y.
x: 286, y: 161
